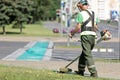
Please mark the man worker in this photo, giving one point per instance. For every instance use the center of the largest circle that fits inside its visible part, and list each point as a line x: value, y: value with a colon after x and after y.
x: 87, y: 23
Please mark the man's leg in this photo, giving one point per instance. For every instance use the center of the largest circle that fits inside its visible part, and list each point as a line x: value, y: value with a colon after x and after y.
x: 81, y: 64
x: 87, y: 45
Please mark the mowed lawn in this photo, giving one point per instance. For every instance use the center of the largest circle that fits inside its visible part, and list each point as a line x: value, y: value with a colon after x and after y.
x: 20, y: 73
x: 29, y: 30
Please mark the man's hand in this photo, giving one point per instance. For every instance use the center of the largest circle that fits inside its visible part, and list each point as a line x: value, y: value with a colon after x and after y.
x: 70, y: 35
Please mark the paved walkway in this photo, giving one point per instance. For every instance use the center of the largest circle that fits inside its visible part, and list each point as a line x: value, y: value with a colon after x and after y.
x: 54, y: 39
x: 109, y: 70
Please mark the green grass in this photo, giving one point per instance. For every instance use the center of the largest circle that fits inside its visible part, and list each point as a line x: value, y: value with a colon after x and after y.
x: 108, y: 60
x: 29, y: 30
x: 112, y: 23
x: 20, y: 73
x: 73, y: 47
x: 70, y: 47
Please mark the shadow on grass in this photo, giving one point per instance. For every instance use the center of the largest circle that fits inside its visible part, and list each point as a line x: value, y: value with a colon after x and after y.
x: 11, y: 33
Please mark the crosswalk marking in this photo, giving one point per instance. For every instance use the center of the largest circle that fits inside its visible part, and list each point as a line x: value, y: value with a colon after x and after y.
x: 109, y: 50
x: 95, y: 50
x: 13, y: 56
x: 103, y: 50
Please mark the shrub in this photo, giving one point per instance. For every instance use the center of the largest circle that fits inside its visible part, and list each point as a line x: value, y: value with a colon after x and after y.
x: 55, y: 30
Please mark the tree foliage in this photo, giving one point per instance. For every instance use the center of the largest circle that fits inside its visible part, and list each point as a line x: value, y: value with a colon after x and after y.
x: 26, y: 11
x: 46, y: 9
x: 18, y: 11
x: 5, y: 10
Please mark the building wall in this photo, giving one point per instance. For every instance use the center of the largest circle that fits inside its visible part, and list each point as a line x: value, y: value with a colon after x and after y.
x: 103, y: 7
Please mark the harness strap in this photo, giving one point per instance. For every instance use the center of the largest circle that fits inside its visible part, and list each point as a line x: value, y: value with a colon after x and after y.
x: 87, y: 21
x: 91, y: 16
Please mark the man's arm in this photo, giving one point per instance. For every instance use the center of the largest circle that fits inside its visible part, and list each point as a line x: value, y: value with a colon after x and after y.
x: 96, y: 28
x: 78, y: 26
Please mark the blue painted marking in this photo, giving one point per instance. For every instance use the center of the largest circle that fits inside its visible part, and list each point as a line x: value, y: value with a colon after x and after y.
x: 36, y: 52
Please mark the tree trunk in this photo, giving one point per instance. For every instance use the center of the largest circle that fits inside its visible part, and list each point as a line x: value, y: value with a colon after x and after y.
x: 4, y: 32
x: 21, y: 28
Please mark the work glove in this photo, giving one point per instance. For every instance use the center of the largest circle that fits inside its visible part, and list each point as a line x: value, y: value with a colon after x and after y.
x: 70, y: 35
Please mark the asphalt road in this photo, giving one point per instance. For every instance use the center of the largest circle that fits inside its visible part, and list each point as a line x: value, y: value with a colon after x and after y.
x: 101, y: 51
x: 8, y: 47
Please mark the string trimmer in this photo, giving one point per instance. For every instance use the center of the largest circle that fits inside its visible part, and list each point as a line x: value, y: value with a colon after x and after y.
x: 105, y: 35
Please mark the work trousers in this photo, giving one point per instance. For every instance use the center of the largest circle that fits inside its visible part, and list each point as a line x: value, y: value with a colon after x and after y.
x: 86, y: 59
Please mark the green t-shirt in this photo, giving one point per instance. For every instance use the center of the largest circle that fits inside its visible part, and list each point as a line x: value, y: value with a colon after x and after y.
x: 79, y: 18
x: 83, y: 16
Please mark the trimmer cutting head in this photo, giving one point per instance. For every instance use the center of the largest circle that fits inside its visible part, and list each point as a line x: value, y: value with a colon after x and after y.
x: 65, y: 70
